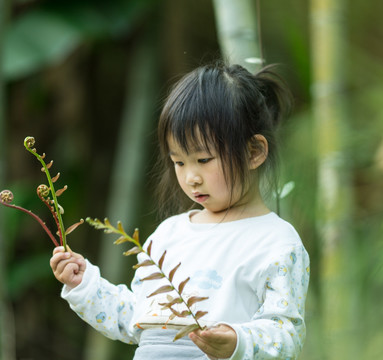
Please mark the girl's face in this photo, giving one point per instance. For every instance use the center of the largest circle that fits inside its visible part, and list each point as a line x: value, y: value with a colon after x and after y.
x: 200, y: 175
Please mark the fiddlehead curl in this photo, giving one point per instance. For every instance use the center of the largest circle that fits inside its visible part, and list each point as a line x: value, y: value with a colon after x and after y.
x: 6, y: 196
x: 43, y: 191
x: 6, y: 199
x: 29, y: 142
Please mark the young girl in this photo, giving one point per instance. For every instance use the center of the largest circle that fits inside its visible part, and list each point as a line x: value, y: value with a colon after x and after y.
x: 217, y: 137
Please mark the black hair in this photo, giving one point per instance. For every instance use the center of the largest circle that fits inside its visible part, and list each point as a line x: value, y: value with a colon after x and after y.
x: 223, y: 106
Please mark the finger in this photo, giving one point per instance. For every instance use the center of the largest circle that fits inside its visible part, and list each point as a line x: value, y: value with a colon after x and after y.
x: 219, y: 341
x: 68, y: 260
x: 57, y: 258
x: 70, y: 270
x: 218, y: 331
x: 207, y: 348
x: 61, y: 265
x: 210, y: 335
x: 58, y: 249
x: 59, y: 271
x: 76, y: 255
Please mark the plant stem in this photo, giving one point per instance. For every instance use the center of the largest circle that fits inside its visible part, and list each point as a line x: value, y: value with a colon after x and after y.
x: 175, y: 289
x: 36, y: 218
x: 109, y: 228
x: 53, y: 214
x: 53, y: 192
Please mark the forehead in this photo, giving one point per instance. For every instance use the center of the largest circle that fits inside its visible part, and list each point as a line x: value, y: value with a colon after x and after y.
x: 193, y: 144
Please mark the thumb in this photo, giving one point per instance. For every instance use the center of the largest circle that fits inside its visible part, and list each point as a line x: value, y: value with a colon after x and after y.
x: 76, y: 255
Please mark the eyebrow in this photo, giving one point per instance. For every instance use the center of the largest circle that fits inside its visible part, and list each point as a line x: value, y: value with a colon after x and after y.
x: 193, y: 150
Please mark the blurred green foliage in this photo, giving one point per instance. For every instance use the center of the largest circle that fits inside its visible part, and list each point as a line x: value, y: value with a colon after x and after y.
x: 51, y: 32
x: 65, y: 65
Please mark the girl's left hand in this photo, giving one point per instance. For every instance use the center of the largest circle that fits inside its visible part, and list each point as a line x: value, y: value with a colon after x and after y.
x: 218, y: 342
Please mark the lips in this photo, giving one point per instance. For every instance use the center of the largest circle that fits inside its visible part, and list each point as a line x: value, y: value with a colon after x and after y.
x: 200, y: 197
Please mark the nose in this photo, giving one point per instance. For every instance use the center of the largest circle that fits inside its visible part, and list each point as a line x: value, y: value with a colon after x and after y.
x: 193, y: 178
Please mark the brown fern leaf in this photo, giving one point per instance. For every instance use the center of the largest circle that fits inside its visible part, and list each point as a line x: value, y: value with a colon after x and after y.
x: 173, y: 271
x: 186, y: 331
x: 182, y: 285
x: 172, y: 302
x: 161, y: 290
x: 195, y: 299
x: 154, y: 276
x: 199, y: 314
x: 133, y: 251
x: 144, y: 263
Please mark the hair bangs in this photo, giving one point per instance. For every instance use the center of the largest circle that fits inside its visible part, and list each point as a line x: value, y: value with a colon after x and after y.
x: 189, y: 118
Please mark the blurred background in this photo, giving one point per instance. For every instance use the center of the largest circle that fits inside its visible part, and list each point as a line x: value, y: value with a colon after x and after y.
x: 87, y: 79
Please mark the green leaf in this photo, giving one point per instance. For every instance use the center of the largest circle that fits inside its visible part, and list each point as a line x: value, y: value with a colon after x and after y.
x: 37, y: 39
x: 48, y: 34
x: 186, y: 331
x: 96, y: 223
x: 108, y: 228
x: 121, y: 240
x: 92, y: 222
x: 287, y: 189
x: 107, y: 223
x: 136, y: 235
x: 161, y: 290
x: 120, y: 227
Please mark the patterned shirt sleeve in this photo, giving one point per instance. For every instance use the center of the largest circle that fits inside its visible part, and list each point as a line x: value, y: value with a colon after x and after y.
x: 277, y: 330
x: 106, y: 307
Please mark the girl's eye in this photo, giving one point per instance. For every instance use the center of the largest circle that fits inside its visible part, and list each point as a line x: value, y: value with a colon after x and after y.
x: 204, y: 161
x: 178, y: 163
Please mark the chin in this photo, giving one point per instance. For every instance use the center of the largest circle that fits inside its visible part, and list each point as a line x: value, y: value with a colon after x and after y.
x: 216, y: 211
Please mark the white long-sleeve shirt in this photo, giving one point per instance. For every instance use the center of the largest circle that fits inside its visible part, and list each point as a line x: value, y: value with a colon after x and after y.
x: 255, y: 272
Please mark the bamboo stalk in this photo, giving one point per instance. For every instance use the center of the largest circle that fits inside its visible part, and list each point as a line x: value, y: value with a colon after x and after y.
x: 129, y: 169
x: 238, y: 33
x: 334, y: 202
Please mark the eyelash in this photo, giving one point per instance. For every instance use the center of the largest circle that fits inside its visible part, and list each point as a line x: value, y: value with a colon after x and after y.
x: 204, y: 161
x: 201, y: 161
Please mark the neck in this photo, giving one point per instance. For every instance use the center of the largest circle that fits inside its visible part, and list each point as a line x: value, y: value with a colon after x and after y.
x: 251, y: 205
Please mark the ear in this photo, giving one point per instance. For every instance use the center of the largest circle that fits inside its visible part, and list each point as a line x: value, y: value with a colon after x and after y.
x: 258, y: 151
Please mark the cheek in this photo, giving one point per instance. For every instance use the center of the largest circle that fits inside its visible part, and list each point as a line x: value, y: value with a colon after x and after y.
x: 219, y: 182
x: 179, y: 176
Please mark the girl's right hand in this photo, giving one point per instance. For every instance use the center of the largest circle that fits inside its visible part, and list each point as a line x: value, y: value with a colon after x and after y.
x: 68, y: 267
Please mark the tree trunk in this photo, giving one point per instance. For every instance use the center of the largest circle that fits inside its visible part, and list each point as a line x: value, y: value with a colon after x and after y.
x: 238, y: 33
x: 333, y: 192
x: 127, y: 180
